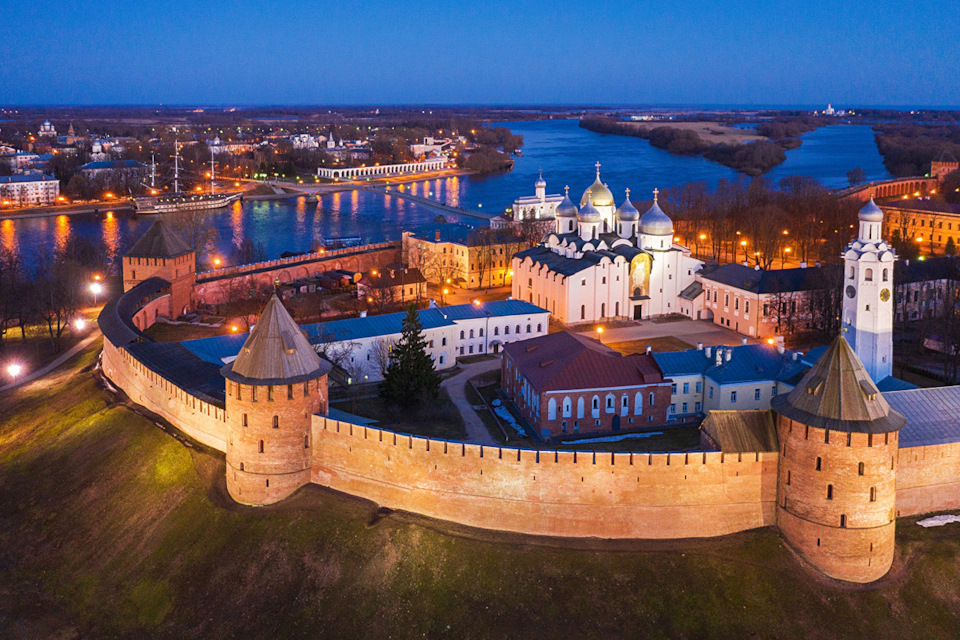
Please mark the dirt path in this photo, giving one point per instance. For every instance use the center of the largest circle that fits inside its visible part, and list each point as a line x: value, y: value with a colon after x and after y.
x: 63, y: 357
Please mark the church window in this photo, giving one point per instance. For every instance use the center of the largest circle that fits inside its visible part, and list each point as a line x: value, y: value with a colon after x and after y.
x: 471, y: 348
x: 733, y: 397
x: 496, y: 332
x: 868, y: 275
x: 480, y: 333
x: 651, y: 399
x: 518, y: 328
x: 471, y: 333
x: 443, y: 342
x: 539, y: 327
x: 276, y: 422
x: 552, y: 409
x: 624, y: 404
x: 610, y: 403
x: 851, y: 273
x: 506, y: 330
x: 461, y: 335
x: 579, y: 408
x: 885, y: 275
x: 567, y: 408
x: 595, y: 407
x: 638, y: 404
x: 603, y: 309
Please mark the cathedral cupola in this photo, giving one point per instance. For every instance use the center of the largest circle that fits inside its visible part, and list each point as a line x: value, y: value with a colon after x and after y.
x: 589, y: 221
x: 656, y: 227
x: 871, y: 222
x: 566, y: 213
x: 627, y: 218
x: 541, y: 187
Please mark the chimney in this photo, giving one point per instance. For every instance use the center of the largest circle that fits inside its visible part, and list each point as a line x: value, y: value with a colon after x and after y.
x: 756, y: 268
x: 728, y: 354
x: 803, y: 265
x: 649, y: 349
x: 707, y: 351
x: 743, y: 341
x: 719, y: 359
x: 437, y: 236
x: 699, y: 346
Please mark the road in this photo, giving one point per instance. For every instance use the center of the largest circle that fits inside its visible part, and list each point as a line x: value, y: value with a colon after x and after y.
x: 456, y: 388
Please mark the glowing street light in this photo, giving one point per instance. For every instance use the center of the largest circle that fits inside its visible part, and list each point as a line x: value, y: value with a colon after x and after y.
x: 79, y: 324
x: 96, y: 289
x: 14, y: 370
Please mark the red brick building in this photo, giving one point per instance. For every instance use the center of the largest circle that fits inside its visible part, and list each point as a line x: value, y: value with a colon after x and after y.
x: 565, y: 384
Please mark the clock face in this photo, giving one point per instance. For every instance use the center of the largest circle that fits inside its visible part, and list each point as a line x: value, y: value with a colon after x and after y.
x: 851, y: 291
x: 885, y: 294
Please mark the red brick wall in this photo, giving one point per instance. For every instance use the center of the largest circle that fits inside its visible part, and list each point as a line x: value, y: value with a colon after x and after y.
x: 928, y: 479
x: 561, y: 493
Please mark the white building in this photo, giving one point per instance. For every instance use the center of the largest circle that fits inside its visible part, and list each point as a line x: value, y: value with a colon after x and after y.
x: 306, y: 141
x: 360, y: 345
x: 47, y: 130
x: 429, y: 145
x: 29, y: 189
x: 603, y: 263
x: 539, y: 206
x: 867, y: 313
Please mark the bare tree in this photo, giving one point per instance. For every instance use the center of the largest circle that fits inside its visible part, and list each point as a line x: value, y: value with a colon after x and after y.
x: 768, y: 238
x: 195, y: 229
x: 381, y: 354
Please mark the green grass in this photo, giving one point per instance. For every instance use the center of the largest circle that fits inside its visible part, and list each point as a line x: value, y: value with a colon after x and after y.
x: 111, y: 528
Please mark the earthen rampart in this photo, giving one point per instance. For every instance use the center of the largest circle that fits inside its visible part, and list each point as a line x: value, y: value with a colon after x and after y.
x: 554, y: 493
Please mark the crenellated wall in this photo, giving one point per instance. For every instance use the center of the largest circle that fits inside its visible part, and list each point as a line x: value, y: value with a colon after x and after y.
x: 928, y: 479
x: 565, y: 493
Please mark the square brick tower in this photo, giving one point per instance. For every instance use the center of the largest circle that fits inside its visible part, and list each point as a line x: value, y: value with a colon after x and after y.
x: 163, y: 254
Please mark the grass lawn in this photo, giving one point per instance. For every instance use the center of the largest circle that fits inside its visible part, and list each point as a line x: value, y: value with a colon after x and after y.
x: 111, y: 528
x: 440, y: 420
x: 666, y: 343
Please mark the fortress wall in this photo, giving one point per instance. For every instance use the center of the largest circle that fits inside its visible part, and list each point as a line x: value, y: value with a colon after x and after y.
x: 214, y: 287
x: 200, y: 420
x: 565, y: 493
x: 928, y: 479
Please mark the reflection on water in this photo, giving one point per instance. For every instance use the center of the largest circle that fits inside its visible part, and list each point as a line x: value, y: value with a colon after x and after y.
x: 564, y: 151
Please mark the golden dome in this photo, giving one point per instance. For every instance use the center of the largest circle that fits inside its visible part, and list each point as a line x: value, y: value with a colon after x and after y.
x: 597, y: 193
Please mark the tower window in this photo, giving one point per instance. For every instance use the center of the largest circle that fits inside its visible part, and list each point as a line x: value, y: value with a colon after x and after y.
x: 829, y: 492
x: 260, y: 448
x: 289, y: 392
x: 860, y: 469
x: 818, y: 464
x: 243, y: 420
x: 868, y: 275
x: 306, y: 442
x: 843, y: 521
x: 270, y: 393
x: 276, y: 422
x: 873, y: 494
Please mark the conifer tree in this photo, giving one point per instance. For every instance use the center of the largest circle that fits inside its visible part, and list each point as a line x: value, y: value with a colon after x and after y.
x: 410, y: 375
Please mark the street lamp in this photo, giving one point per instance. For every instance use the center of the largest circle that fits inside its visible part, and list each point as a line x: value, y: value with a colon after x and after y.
x: 96, y: 289
x: 14, y: 370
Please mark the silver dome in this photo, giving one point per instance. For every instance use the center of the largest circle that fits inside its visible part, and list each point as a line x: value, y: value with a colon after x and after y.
x: 627, y: 212
x: 655, y: 222
x: 589, y: 213
x: 566, y: 209
x: 871, y: 212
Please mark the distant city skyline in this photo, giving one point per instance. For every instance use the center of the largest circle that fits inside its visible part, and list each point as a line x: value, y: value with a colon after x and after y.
x: 731, y: 53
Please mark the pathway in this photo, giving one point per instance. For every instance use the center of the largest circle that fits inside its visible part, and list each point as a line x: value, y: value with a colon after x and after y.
x: 63, y: 357
x: 429, y: 202
x: 456, y: 388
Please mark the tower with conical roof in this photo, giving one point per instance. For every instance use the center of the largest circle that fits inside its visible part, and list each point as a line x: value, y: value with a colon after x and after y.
x: 836, y: 486
x: 161, y: 253
x: 273, y: 387
x: 867, y: 312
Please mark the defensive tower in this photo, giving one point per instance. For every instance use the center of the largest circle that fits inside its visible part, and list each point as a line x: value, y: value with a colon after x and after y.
x: 836, y: 487
x: 162, y: 253
x: 274, y: 386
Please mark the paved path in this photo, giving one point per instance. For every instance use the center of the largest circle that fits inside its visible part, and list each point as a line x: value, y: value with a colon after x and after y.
x: 63, y: 357
x: 456, y: 388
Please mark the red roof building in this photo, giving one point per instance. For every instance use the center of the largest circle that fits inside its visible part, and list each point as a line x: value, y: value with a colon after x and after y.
x: 565, y: 384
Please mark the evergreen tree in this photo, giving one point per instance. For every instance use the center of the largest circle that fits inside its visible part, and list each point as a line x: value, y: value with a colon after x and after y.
x: 951, y: 248
x: 410, y: 375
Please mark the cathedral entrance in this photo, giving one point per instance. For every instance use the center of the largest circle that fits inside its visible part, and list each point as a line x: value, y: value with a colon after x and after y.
x: 638, y: 312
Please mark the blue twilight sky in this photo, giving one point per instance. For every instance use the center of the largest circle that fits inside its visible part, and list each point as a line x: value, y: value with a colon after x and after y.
x: 858, y: 52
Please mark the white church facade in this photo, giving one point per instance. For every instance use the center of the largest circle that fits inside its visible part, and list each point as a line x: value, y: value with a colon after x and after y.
x: 603, y: 263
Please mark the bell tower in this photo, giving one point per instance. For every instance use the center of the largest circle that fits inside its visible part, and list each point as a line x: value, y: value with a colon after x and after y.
x: 867, y: 315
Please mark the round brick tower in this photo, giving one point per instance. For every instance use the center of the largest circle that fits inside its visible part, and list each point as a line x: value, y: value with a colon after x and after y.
x: 836, y: 490
x: 274, y: 386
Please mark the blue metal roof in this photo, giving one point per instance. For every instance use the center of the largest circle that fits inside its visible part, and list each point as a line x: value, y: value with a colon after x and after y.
x: 931, y: 415
x: 25, y: 177
x: 112, y: 164
x: 214, y: 349
x: 496, y: 309
x: 749, y: 363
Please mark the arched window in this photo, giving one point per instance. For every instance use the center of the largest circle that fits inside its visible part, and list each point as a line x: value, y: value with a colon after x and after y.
x: 852, y: 276
x: 528, y: 328
x: 518, y: 328
x: 539, y: 327
x: 886, y: 275
x: 868, y: 275
x: 595, y: 407
x: 567, y: 407
x: 443, y: 342
x: 471, y: 333
x: 552, y: 409
x: 603, y: 309
x: 461, y: 335
x: 651, y: 399
x: 480, y: 333
x: 638, y: 404
x: 624, y: 405
x: 580, y: 407
x: 443, y: 358
x: 261, y: 446
x: 506, y: 330
x: 496, y: 331
x: 609, y: 402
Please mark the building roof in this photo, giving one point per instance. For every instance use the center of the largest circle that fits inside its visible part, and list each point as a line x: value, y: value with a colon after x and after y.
x: 747, y: 363
x: 931, y: 415
x: 742, y: 431
x: 386, y: 278
x: 693, y: 291
x: 459, y: 233
x: 111, y: 164
x: 926, y: 270
x: 771, y: 281
x: 159, y: 242
x: 26, y: 177
x: 276, y: 352
x: 838, y: 394
x: 558, y: 263
x: 931, y: 206
x: 182, y: 368
x: 568, y: 361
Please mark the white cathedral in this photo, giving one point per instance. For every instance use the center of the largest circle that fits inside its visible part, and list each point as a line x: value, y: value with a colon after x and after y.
x: 605, y: 263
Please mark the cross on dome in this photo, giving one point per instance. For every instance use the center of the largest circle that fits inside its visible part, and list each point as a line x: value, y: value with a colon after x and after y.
x: 655, y: 192
x: 566, y: 190
x: 598, y: 169
x: 628, y: 192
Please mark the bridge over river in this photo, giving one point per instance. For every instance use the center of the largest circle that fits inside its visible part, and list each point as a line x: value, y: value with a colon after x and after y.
x: 433, y: 204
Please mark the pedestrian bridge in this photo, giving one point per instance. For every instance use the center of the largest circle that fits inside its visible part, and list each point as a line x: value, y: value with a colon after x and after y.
x: 889, y: 188
x: 381, y: 170
x: 433, y: 204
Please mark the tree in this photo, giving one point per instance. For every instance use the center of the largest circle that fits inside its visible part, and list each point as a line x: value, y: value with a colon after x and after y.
x: 951, y: 248
x: 856, y: 176
x: 950, y: 186
x: 410, y: 377
x: 192, y: 225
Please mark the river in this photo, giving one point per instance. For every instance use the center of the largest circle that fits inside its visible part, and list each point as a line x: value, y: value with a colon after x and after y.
x: 565, y: 152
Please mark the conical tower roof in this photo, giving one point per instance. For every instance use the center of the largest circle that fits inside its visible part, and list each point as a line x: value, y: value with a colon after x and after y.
x: 838, y: 394
x: 159, y: 241
x: 276, y: 352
